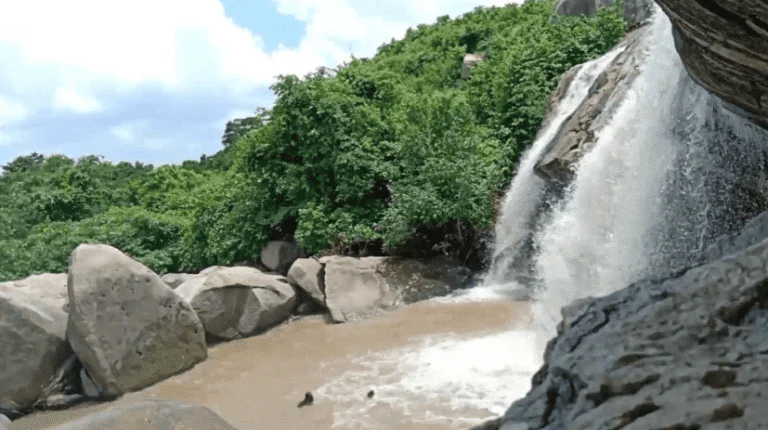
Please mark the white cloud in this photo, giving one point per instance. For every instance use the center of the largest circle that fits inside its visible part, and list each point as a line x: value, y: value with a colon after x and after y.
x: 67, y: 98
x: 11, y: 112
x: 94, y: 58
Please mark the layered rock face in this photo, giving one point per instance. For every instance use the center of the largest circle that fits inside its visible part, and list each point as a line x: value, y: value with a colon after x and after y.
x: 723, y: 46
x: 577, y: 134
x: 686, y: 351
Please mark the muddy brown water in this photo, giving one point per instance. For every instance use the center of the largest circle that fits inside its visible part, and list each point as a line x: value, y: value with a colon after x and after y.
x: 431, y: 365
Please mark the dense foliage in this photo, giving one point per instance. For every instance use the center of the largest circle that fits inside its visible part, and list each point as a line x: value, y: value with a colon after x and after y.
x: 394, y: 154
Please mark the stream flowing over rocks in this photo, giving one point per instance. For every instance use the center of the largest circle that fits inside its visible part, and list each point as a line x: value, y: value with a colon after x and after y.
x: 643, y: 235
x: 628, y: 286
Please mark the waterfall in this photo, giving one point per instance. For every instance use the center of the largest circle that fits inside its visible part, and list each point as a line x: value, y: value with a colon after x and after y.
x: 526, y: 193
x: 670, y: 171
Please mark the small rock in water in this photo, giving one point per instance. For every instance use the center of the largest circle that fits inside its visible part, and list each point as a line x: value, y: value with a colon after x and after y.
x: 308, y: 400
x: 371, y: 394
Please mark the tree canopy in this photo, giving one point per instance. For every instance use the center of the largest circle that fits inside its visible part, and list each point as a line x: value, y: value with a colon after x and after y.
x: 393, y: 154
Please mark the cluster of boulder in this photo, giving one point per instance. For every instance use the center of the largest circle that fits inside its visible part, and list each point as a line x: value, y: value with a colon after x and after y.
x: 112, y: 326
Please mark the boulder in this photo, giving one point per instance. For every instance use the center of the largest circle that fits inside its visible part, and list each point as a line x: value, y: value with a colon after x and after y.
x: 127, y: 327
x: 308, y: 274
x: 722, y: 45
x: 238, y: 302
x: 4, y: 422
x: 150, y: 414
x: 50, y: 288
x: 32, y: 348
x: 173, y: 280
x: 279, y: 255
x: 469, y: 63
x: 634, y: 11
x: 357, y: 288
x: 581, y: 7
x: 210, y: 270
x: 684, y: 351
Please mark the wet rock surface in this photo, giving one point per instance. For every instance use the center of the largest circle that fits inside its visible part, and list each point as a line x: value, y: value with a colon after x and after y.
x: 689, y: 350
x: 578, y: 133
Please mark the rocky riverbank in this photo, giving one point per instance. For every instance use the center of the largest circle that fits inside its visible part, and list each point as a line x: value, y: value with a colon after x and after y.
x: 112, y: 326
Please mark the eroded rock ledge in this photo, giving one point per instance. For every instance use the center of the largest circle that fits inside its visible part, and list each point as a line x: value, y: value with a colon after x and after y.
x: 686, y: 351
x: 723, y: 46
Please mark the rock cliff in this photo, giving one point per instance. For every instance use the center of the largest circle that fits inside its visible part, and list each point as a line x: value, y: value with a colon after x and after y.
x: 723, y: 45
x: 689, y: 350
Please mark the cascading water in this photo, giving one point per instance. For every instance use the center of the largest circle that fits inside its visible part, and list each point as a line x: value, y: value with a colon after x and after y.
x: 670, y: 171
x: 527, y: 192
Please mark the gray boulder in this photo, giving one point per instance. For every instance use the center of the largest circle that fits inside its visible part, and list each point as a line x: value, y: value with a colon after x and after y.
x: 581, y: 7
x: 210, y: 270
x: 147, y: 415
x: 50, y: 288
x: 127, y: 327
x: 358, y: 288
x: 32, y: 348
x: 634, y: 11
x: 279, y: 255
x: 686, y: 351
x: 174, y: 280
x: 469, y: 63
x: 354, y: 287
x: 755, y: 231
x: 237, y: 302
x: 308, y: 274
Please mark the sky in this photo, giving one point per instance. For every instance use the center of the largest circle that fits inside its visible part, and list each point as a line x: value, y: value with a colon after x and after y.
x: 157, y: 80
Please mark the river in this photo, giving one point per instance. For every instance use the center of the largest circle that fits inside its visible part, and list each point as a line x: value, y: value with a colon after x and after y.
x: 446, y: 363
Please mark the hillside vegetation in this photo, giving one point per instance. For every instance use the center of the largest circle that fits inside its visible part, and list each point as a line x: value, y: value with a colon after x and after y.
x: 395, y: 154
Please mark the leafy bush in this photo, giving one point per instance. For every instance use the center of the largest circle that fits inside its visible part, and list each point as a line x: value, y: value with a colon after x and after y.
x: 393, y: 154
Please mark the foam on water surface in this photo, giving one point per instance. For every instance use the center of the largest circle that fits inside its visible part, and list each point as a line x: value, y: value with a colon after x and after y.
x: 473, y: 378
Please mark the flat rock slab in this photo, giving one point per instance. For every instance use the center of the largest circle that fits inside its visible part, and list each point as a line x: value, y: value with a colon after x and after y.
x: 127, y: 327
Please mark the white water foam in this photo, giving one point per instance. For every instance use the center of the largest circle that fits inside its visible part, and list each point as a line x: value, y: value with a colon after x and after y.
x: 477, y: 377
x: 526, y: 190
x: 481, y: 375
x: 599, y: 238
